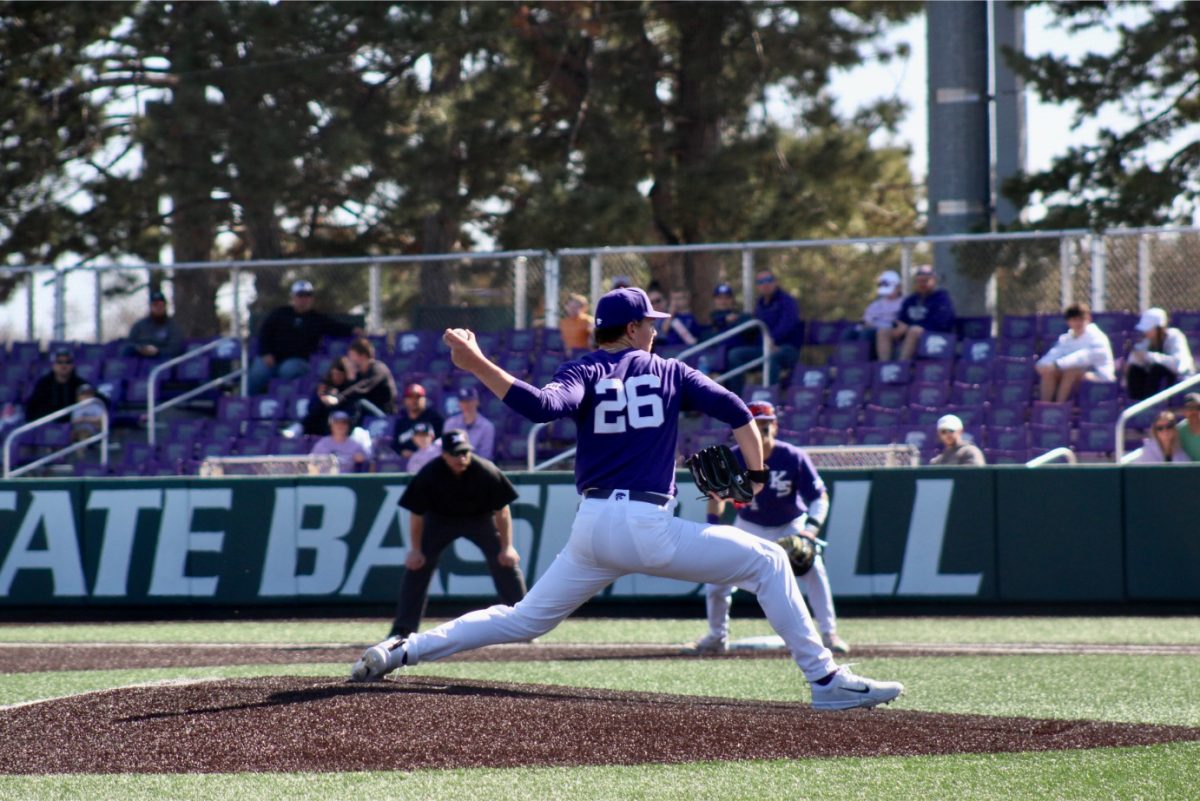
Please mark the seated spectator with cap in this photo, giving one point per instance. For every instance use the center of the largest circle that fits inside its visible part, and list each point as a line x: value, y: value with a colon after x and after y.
x: 881, y: 313
x: 155, y: 336
x: 724, y: 316
x: 57, y: 389
x: 781, y: 314
x: 416, y: 410
x: 428, y: 448
x: 351, y: 452
x: 480, y: 430
x: 928, y: 308
x: 1082, y: 353
x: 1159, y: 359
x: 576, y: 325
x: 289, y: 336
x: 1189, y: 426
x: 955, y: 450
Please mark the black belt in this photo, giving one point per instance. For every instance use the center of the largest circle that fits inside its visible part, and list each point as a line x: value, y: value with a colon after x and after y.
x: 656, y: 498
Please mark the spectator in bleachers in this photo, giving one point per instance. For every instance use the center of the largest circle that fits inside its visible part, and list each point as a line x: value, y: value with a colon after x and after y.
x: 289, y: 336
x: 1163, y: 445
x: 480, y: 430
x: 372, y: 382
x: 724, y: 316
x: 1159, y: 359
x: 1082, y: 353
x: 881, y: 313
x: 324, y: 399
x: 155, y: 336
x: 351, y: 452
x: 57, y: 389
x: 781, y: 314
x: 928, y: 308
x: 416, y: 410
x: 671, y: 330
x: 1189, y: 427
x: 86, y: 421
x: 955, y: 450
x: 427, y: 450
x: 576, y: 325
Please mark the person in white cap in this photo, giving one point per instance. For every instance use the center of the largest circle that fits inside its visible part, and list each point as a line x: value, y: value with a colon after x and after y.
x: 289, y: 335
x: 955, y: 450
x: 881, y: 313
x: 1159, y: 359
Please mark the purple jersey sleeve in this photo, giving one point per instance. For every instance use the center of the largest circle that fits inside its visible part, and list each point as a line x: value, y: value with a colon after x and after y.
x: 626, y: 409
x: 793, y: 485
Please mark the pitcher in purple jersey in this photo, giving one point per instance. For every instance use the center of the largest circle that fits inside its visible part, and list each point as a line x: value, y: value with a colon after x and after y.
x: 793, y: 502
x: 626, y: 404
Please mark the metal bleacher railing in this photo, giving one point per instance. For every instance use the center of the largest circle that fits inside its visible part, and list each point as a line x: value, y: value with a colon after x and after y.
x: 100, y: 437
x: 153, y: 407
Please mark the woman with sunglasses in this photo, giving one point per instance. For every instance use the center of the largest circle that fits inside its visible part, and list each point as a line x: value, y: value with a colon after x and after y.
x: 1163, y: 446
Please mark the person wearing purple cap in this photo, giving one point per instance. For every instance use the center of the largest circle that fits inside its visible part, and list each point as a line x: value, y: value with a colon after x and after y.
x: 352, y: 454
x: 480, y: 430
x: 626, y: 402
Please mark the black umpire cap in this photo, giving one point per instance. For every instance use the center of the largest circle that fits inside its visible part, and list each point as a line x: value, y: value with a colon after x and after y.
x: 455, y: 441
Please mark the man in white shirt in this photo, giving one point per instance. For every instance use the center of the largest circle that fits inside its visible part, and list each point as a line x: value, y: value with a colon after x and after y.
x: 1083, y: 353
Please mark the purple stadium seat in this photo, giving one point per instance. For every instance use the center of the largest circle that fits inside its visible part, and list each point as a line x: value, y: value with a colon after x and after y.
x: 978, y: 350
x: 855, y: 374
x: 936, y: 345
x: 259, y: 429
x: 971, y: 416
x: 805, y: 398
x: 884, y: 373
x: 292, y: 446
x: 1186, y: 320
x: 121, y: 368
x: 135, y: 453
x: 256, y: 446
x: 1096, y: 438
x: 231, y: 409
x: 522, y: 340
x: 890, y: 397
x: 1050, y: 414
x: 27, y: 353
x: 758, y: 392
x: 845, y: 396
x: 922, y: 394
x: 826, y: 332
x: 1100, y: 414
x: 973, y: 372
x: 840, y: 419
x: 265, y: 407
x: 416, y: 342
x: 826, y: 437
x: 932, y: 372
x: 90, y: 372
x: 920, y: 437
x: 975, y: 435
x: 489, y: 341
x: 14, y: 373
x: 923, y: 416
x: 198, y: 370
x: 974, y: 327
x: 1009, y: 392
x: 1004, y: 415
x: 224, y: 430
x: 1050, y: 327
x: 798, y: 419
x: 53, y: 435
x: 1008, y: 368
x: 969, y: 394
x: 552, y: 341
x: 1018, y: 349
x: 1049, y: 437
x: 1019, y: 326
x: 811, y: 377
x: 878, y: 416
x: 1015, y: 438
x: 1093, y: 393
x: 388, y: 461
x: 515, y: 448
x: 1000, y: 456
x: 853, y: 351
x: 1115, y: 323
x: 875, y: 435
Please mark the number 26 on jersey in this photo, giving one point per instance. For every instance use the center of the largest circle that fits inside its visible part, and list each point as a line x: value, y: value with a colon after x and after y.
x: 628, y: 404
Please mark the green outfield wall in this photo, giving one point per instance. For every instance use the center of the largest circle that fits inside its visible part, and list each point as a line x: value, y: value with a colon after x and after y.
x: 1001, y: 535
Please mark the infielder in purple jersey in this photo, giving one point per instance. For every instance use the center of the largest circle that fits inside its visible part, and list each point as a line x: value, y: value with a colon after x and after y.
x: 626, y: 404
x: 794, y: 501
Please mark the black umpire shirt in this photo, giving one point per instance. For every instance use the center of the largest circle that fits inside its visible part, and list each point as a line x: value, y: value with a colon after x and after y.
x: 481, y: 490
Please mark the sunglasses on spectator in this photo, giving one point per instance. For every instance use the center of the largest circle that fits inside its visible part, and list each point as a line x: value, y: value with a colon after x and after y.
x: 64, y: 361
x: 1164, y: 428
x: 947, y: 431
x: 768, y: 279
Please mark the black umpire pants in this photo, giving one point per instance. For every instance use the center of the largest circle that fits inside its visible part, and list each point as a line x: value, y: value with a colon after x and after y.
x: 438, y: 534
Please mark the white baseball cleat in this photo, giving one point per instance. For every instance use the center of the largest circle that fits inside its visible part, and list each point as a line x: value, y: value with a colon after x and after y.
x: 848, y: 691
x: 376, y: 661
x: 709, y: 644
x: 836, y: 644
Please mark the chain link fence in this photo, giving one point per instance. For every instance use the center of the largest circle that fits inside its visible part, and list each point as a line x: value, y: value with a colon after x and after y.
x: 1037, y: 272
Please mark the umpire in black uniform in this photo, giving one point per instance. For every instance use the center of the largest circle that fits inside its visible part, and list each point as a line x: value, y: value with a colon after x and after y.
x: 459, y: 495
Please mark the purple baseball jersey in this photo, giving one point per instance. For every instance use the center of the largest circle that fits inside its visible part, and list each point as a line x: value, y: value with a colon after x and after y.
x: 626, y: 409
x: 793, y: 485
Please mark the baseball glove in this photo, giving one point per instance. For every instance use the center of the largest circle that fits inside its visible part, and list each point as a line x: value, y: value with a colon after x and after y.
x: 801, y: 552
x: 716, y: 470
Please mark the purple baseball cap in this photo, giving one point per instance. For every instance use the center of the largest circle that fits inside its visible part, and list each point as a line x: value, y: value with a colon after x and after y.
x: 624, y: 306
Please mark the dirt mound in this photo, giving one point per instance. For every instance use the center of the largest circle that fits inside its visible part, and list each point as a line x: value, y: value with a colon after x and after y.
x: 317, y: 724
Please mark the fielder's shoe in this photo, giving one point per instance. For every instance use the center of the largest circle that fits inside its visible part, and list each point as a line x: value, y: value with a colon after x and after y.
x: 848, y: 691
x: 836, y: 644
x: 709, y: 644
x: 380, y: 660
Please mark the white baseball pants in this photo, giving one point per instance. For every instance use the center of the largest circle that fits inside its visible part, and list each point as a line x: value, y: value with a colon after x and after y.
x: 719, y: 597
x: 611, y: 538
